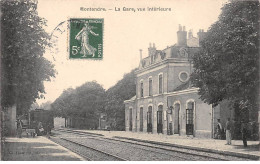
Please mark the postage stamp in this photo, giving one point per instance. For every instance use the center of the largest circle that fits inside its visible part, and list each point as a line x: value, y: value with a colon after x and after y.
x: 86, y: 38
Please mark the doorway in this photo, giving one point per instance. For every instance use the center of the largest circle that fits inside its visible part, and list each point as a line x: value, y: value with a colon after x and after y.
x: 189, y: 119
x: 141, y: 119
x: 149, y: 119
x: 160, y: 119
x: 176, y: 118
x: 130, y: 119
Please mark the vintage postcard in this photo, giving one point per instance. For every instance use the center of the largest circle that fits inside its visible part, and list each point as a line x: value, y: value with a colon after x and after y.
x: 129, y: 80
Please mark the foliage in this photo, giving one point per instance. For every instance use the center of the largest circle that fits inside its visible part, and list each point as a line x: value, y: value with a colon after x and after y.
x: 84, y: 102
x: 116, y: 95
x: 61, y: 106
x: 23, y: 67
x: 46, y: 105
x: 34, y: 106
x: 90, y: 99
x: 227, y: 66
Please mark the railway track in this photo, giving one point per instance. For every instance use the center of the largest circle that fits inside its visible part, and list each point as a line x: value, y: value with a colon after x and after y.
x: 78, y: 133
x: 87, y: 152
x: 161, y: 151
x: 57, y: 141
x: 101, y: 153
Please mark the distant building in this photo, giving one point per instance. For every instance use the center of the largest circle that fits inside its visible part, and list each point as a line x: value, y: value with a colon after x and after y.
x: 59, y: 122
x: 165, y: 102
x: 102, y: 121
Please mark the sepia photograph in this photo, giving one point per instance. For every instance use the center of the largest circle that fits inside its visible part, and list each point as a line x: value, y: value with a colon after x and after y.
x: 130, y: 80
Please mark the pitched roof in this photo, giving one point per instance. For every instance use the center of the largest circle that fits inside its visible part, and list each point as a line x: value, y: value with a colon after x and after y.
x: 183, y: 86
x: 133, y: 98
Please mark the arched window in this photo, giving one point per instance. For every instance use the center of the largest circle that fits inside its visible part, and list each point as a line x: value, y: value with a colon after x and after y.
x: 150, y: 86
x: 160, y: 81
x: 142, y: 89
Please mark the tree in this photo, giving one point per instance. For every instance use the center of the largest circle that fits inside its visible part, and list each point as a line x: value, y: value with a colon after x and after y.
x: 227, y: 66
x: 34, y: 106
x: 116, y: 95
x: 46, y: 105
x: 85, y: 103
x: 23, y: 67
x: 90, y: 99
x: 61, y: 106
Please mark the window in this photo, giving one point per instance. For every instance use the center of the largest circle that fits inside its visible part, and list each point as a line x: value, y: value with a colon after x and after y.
x: 160, y: 84
x: 183, y: 76
x: 142, y: 89
x: 150, y: 87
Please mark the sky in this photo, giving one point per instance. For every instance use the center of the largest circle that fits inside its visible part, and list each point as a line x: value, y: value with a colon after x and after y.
x: 125, y: 33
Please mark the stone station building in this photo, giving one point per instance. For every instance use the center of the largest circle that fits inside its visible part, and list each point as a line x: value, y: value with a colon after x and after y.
x: 165, y: 102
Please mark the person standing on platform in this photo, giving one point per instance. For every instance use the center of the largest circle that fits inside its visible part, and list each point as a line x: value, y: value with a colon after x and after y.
x: 219, y: 130
x: 244, y: 132
x: 48, y: 130
x: 19, y: 128
x: 228, y: 132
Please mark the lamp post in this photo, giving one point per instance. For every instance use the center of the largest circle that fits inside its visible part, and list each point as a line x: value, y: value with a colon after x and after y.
x: 169, y: 111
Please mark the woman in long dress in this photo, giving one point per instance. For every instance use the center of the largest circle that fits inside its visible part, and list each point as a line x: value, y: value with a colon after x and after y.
x: 19, y: 128
x: 83, y: 35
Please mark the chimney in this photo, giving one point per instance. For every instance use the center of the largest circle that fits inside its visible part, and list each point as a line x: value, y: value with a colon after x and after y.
x: 201, y: 35
x: 151, y: 50
x: 182, y: 36
x: 180, y: 28
x: 141, y: 57
x: 190, y: 34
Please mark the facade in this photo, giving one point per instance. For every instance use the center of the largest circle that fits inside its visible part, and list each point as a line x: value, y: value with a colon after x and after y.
x: 164, y: 102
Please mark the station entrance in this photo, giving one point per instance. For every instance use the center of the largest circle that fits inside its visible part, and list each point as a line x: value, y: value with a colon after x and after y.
x: 130, y: 120
x: 149, y: 119
x: 176, y: 118
x: 160, y: 119
x: 141, y: 119
x: 189, y: 119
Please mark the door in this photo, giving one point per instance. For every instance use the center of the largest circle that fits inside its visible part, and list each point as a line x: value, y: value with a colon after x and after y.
x: 149, y: 120
x: 141, y: 119
x: 130, y: 120
x: 160, y: 119
x: 189, y: 119
x: 176, y: 118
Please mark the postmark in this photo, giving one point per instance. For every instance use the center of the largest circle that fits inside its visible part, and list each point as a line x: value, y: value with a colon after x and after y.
x: 85, y: 38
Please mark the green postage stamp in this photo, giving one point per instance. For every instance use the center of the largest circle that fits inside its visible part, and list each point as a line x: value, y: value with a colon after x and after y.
x: 86, y: 38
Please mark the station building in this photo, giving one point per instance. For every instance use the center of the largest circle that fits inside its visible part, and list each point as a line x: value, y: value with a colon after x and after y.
x: 165, y: 102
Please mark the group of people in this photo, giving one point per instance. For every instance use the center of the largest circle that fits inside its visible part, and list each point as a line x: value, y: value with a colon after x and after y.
x: 221, y: 132
x: 39, y: 129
